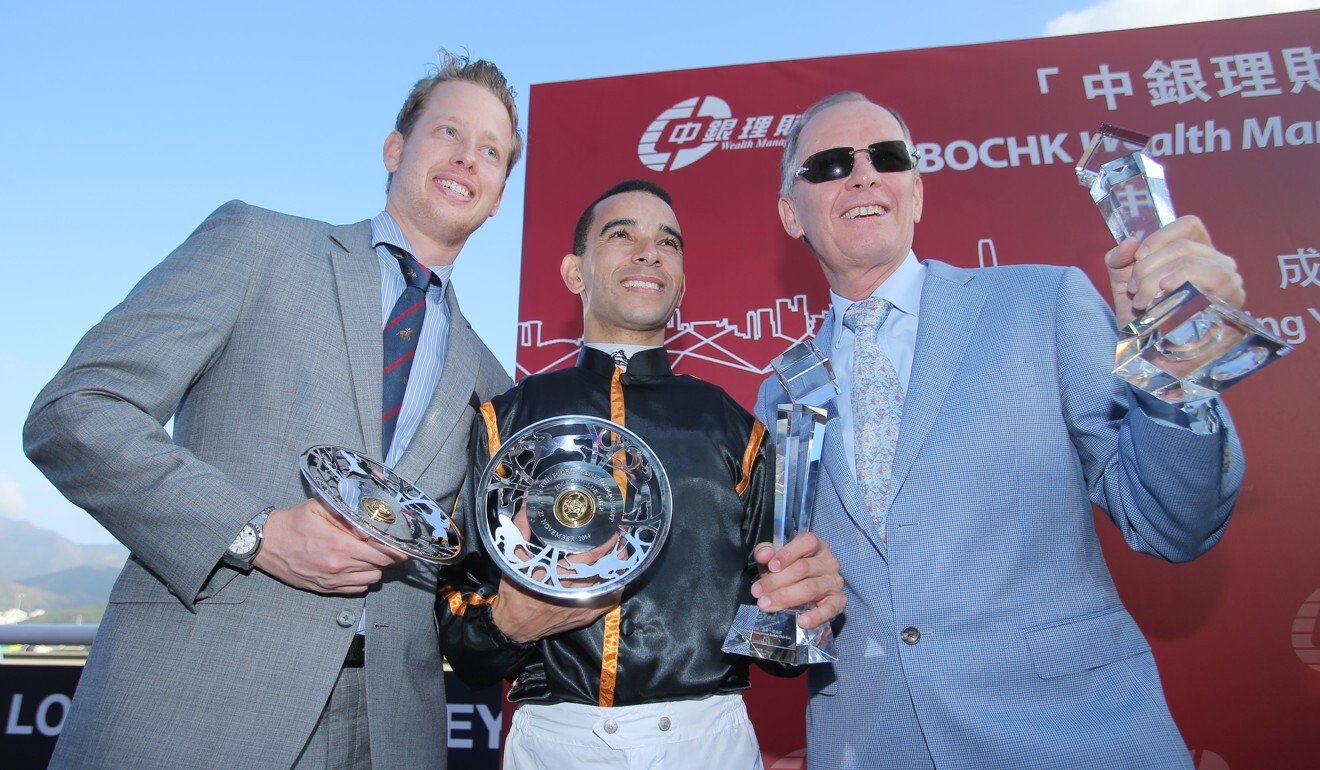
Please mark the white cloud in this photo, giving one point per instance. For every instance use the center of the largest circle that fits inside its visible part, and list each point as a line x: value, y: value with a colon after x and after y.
x: 1127, y: 14
x: 12, y: 504
x: 39, y: 504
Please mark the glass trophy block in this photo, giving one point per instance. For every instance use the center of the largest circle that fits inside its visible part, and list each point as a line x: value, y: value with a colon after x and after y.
x: 1126, y: 184
x: 777, y: 636
x: 1188, y: 346
x: 806, y: 374
x: 799, y: 432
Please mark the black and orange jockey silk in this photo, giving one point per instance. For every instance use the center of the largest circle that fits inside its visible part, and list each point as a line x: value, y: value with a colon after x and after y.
x: 663, y: 642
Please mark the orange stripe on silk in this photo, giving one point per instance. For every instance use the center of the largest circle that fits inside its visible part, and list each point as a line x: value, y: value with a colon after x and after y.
x: 616, y: 416
x: 454, y: 599
x: 609, y: 653
x: 609, y: 657
x: 492, y: 427
x: 458, y: 605
x: 749, y: 456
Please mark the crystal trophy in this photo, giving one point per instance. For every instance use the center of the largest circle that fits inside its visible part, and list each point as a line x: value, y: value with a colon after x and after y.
x: 380, y: 504
x: 808, y: 379
x: 573, y: 507
x: 1188, y: 346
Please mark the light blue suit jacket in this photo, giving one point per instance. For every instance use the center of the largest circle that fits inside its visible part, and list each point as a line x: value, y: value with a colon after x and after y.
x: 1012, y: 428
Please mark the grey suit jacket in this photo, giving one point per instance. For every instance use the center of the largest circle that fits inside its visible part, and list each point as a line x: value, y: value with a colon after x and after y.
x: 259, y: 336
x: 986, y: 632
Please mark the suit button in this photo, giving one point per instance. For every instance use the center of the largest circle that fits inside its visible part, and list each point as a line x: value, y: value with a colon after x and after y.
x: 910, y: 635
x: 345, y: 619
x: 611, y: 726
x: 627, y: 627
x: 665, y: 724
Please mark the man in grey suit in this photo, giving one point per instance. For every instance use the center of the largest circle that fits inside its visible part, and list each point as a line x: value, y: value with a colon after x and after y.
x: 249, y: 628
x: 977, y: 424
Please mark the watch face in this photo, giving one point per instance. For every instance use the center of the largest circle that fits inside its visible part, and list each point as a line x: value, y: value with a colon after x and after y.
x: 245, y: 542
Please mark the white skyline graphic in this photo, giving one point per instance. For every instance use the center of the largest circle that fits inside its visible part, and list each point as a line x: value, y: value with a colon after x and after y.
x: 746, y: 346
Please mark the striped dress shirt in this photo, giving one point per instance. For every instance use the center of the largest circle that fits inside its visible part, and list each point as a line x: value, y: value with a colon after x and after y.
x: 429, y: 360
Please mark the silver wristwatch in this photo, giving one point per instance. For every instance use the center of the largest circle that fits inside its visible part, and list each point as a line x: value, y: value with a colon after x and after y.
x: 244, y: 549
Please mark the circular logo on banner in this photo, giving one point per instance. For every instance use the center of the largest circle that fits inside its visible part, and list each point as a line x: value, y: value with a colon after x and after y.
x: 680, y: 136
x: 1208, y: 760
x: 1303, y: 631
x: 794, y: 760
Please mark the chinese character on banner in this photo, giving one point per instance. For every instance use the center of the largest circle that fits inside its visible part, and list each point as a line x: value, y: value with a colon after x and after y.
x: 1302, y: 268
x: 684, y: 132
x: 1107, y: 84
x: 1254, y: 70
x: 1302, y: 70
x: 720, y: 130
x: 755, y: 128
x: 1178, y: 82
x: 786, y: 124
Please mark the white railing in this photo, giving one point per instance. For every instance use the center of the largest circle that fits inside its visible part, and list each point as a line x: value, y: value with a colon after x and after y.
x: 47, y: 633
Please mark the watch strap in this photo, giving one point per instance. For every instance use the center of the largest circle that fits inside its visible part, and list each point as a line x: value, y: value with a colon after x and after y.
x: 243, y: 561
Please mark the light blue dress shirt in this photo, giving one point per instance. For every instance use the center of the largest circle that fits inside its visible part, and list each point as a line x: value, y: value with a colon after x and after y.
x: 898, y: 337
x: 428, y: 361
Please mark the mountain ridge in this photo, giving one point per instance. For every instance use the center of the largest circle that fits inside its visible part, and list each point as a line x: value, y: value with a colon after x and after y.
x: 42, y: 569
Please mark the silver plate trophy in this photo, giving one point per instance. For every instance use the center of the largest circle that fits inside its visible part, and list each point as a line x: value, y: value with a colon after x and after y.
x: 1187, y: 346
x: 808, y: 379
x: 381, y: 504
x: 582, y: 483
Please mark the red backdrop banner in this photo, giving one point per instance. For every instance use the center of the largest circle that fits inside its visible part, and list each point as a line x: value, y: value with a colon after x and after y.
x: 1233, y: 107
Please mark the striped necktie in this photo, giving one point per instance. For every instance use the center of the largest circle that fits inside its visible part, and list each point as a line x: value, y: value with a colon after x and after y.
x: 401, y: 334
x: 877, y: 404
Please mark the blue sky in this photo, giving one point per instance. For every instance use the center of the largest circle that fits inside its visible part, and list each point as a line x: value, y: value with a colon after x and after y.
x: 129, y: 122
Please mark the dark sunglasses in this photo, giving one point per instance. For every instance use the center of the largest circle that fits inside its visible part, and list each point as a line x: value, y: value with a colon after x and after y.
x: 837, y: 162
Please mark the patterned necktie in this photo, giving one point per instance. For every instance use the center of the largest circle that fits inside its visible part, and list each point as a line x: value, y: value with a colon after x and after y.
x: 877, y: 404
x: 401, y: 333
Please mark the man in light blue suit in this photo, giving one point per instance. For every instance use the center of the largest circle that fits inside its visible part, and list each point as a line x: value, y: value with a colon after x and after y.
x: 961, y: 462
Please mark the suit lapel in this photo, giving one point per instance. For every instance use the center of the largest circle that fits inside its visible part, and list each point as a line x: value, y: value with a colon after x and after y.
x: 949, y: 313
x: 840, y: 474
x: 357, y: 281
x: 458, y: 379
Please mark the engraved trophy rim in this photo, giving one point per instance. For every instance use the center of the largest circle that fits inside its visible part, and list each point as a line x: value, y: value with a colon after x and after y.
x: 503, y: 541
x: 399, y: 503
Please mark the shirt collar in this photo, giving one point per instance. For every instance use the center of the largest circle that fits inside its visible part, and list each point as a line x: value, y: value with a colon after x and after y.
x: 902, y: 289
x: 614, y: 348
x: 386, y: 232
x: 651, y: 362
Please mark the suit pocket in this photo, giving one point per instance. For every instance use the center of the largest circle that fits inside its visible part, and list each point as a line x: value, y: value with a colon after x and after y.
x: 226, y: 586
x: 137, y: 585
x: 1084, y: 643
